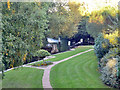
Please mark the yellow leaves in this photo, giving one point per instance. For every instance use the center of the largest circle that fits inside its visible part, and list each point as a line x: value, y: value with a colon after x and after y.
x: 75, y: 7
x: 11, y: 66
x: 74, y: 1
x: 8, y: 4
x: 24, y: 57
x: 111, y: 63
x: 18, y: 33
x: 103, y: 45
x: 39, y: 3
x: 112, y: 37
x: 13, y: 11
x: 101, y: 19
x: 13, y: 61
x: 38, y: 64
x: 61, y: 13
x: 95, y: 9
x: 32, y: 37
x: 6, y: 54
x: 96, y: 17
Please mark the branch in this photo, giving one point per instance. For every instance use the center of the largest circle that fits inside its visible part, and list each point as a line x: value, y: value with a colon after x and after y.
x: 112, y: 21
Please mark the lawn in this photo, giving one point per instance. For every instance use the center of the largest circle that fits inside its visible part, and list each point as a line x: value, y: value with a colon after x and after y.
x: 64, y: 55
x: 0, y: 81
x: 23, y: 78
x: 78, y: 72
x: 32, y: 78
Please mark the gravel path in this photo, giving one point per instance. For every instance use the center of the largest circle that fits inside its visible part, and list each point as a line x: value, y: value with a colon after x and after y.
x: 46, y: 76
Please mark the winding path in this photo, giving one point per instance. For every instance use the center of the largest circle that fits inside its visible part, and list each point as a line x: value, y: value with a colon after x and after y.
x: 46, y: 76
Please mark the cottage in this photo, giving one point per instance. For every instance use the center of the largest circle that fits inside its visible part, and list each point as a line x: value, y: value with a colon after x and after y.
x: 59, y: 45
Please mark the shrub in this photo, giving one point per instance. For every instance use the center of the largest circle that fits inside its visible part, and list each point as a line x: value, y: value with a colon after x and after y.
x: 110, y: 68
x: 112, y: 37
x: 41, y: 53
x: 101, y: 46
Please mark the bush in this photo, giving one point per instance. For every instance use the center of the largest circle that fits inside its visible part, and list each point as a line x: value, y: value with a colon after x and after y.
x: 110, y: 68
x: 43, y: 64
x: 110, y: 55
x: 41, y: 53
x: 101, y: 46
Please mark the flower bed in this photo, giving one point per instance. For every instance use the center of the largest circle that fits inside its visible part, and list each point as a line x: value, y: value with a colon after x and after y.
x: 46, y: 63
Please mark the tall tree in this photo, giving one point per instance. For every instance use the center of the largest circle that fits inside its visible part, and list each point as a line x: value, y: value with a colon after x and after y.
x: 24, y: 25
x: 64, y: 19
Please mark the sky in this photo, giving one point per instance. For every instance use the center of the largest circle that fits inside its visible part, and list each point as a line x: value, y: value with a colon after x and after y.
x: 97, y: 4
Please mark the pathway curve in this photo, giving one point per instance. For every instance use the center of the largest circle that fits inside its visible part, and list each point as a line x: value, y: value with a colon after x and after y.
x: 46, y: 76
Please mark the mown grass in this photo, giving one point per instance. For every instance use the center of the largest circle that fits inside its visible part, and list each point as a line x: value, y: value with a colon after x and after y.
x: 78, y: 72
x: 32, y: 78
x: 0, y: 81
x: 64, y: 55
x: 23, y: 78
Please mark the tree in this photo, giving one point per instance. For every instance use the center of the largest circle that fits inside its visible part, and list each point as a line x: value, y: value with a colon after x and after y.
x: 23, y: 31
x: 101, y: 20
x: 64, y: 19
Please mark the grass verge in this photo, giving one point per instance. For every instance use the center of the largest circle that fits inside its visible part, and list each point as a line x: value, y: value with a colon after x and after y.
x: 64, y: 55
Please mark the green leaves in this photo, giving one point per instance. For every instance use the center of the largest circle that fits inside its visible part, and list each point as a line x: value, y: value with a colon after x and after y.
x: 24, y: 26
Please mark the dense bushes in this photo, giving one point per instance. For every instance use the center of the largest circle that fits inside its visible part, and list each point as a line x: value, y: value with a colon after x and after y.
x: 109, y: 68
x: 101, y: 46
x: 110, y: 71
x: 107, y: 52
x: 23, y: 31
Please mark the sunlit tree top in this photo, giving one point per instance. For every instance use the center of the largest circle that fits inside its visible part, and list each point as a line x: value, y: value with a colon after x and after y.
x: 93, y: 5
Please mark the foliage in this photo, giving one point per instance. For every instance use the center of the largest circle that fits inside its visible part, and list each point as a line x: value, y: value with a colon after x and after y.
x: 41, y: 53
x: 62, y: 56
x: 23, y: 31
x: 94, y: 28
x: 111, y: 54
x: 103, y: 19
x: 64, y: 20
x: 42, y: 64
x: 110, y: 68
x: 81, y: 32
x: 112, y: 37
x: 101, y: 46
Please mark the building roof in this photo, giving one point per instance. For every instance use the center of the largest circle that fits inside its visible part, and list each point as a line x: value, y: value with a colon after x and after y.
x: 50, y: 40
